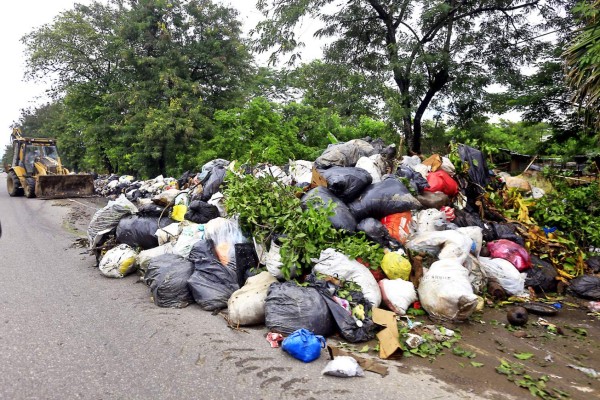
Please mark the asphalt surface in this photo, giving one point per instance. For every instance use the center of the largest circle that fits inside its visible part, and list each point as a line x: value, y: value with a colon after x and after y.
x: 67, y: 332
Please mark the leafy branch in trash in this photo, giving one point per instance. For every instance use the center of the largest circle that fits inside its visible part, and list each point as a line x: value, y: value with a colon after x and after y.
x: 265, y: 209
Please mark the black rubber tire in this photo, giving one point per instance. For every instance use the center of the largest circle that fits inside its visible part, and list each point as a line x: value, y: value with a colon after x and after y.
x: 13, y: 185
x: 30, y: 189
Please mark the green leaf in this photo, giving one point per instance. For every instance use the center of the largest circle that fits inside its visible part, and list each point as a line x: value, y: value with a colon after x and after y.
x: 477, y: 364
x: 523, y: 356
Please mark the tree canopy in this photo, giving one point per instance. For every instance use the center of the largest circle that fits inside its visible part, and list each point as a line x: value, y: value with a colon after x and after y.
x: 440, y: 54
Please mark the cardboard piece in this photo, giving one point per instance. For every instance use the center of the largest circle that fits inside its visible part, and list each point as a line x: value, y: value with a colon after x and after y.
x: 389, y: 338
x: 366, y: 364
x: 317, y: 179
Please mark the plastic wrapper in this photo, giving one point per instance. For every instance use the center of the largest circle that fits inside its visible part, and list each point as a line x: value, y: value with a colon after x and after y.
x: 211, y: 283
x: 167, y: 276
x: 225, y: 233
x: 342, y: 217
x: 346, y: 183
x: 289, y: 307
x: 301, y: 171
x: 343, y: 367
x: 387, y: 197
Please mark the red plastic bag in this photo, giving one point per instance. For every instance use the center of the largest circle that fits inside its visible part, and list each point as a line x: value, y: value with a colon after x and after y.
x: 440, y: 181
x: 398, y: 225
x: 510, y: 251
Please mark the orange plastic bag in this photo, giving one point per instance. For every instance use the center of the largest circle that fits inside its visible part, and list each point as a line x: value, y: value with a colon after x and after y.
x: 398, y: 225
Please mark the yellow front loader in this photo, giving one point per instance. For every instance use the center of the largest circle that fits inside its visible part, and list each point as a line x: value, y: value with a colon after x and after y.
x: 36, y: 171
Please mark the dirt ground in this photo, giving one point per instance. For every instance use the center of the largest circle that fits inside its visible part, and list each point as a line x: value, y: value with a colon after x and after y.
x: 488, y: 340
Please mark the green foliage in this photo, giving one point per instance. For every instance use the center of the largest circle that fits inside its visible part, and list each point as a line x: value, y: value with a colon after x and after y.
x: 575, y: 211
x: 416, y: 55
x: 538, y: 387
x: 139, y: 81
x: 266, y: 207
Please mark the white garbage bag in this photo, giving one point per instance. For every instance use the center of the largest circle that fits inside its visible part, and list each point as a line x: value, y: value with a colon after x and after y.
x: 445, y: 291
x: 118, y: 261
x: 334, y: 263
x: 398, y: 294
x: 505, y: 273
x: 247, y: 305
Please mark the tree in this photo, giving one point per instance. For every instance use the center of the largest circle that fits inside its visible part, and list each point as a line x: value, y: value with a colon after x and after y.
x: 427, y: 52
x: 140, y: 79
x: 582, y: 58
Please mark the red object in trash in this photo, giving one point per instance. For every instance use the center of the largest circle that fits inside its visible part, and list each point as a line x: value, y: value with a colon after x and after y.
x: 275, y: 339
x: 449, y: 211
x: 510, y: 251
x: 417, y: 305
x: 440, y: 181
x: 398, y: 225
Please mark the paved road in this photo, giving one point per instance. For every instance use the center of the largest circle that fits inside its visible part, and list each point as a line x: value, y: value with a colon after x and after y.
x: 68, y: 332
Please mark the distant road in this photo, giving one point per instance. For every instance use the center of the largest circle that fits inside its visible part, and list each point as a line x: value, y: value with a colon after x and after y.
x: 67, y: 332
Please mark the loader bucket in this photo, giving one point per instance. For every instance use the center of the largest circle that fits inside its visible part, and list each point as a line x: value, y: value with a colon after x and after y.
x: 61, y: 186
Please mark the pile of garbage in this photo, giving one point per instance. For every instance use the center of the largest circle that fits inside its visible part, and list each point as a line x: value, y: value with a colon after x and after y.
x: 425, y: 217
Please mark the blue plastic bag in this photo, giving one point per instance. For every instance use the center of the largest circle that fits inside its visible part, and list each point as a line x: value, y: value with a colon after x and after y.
x: 304, y: 345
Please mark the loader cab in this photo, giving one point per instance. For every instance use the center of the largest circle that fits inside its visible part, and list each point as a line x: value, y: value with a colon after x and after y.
x: 31, y: 153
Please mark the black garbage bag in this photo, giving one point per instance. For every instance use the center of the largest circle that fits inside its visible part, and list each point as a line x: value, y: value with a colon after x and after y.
x: 378, y: 233
x: 246, y: 262
x: 184, y: 179
x: 464, y: 218
x: 344, y: 154
x: 289, y: 307
x: 387, y: 197
x: 593, y: 263
x: 478, y: 170
x: 506, y: 231
x: 435, y: 200
x: 213, y: 182
x: 348, y: 327
x: 417, y: 181
x: 167, y: 276
x: 140, y: 231
x: 342, y: 219
x: 541, y: 276
x: 347, y: 183
x: 586, y: 286
x: 211, y: 283
x: 152, y: 210
x: 201, y: 212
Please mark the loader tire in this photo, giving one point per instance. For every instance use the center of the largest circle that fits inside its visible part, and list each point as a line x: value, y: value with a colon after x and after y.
x: 13, y: 185
x: 30, y: 188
